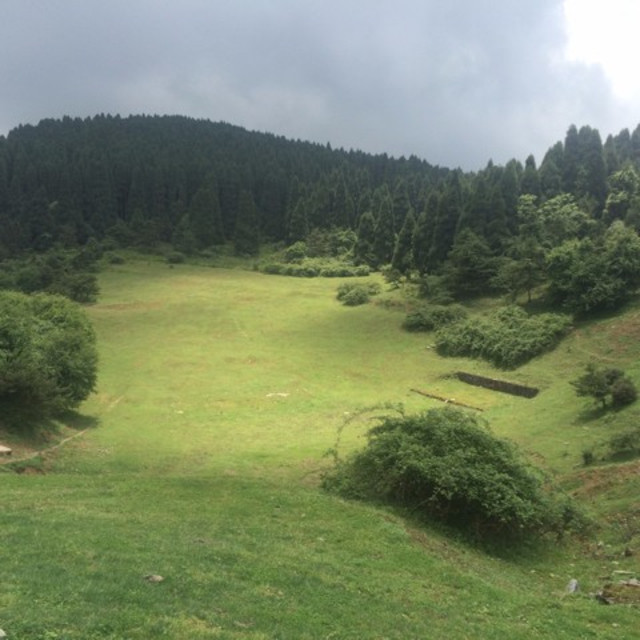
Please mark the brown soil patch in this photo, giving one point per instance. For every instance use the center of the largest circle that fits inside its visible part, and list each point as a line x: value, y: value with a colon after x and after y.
x: 598, y: 480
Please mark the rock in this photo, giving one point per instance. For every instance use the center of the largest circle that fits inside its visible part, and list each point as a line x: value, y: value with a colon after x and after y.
x: 4, y: 451
x: 152, y: 577
x: 2, y: 634
x: 573, y: 586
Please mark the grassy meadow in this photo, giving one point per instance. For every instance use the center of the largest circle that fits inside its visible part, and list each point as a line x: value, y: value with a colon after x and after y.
x: 198, y: 459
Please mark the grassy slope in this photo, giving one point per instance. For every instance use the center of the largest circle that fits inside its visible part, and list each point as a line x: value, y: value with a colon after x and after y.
x: 202, y: 470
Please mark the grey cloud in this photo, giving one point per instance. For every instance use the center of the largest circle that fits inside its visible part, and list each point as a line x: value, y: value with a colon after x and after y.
x: 454, y: 82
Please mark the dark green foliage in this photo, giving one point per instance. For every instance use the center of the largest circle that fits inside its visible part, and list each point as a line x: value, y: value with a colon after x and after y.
x: 295, y: 253
x: 402, y: 259
x: 435, y: 289
x: 448, y: 466
x: 175, y: 257
x: 314, y: 267
x: 114, y: 258
x: 470, y: 266
x: 246, y: 239
x: 626, y: 443
x: 48, y: 357
x: 432, y: 317
x: 587, y: 275
x: 623, y: 392
x: 353, y: 294
x: 68, y: 273
x: 364, y: 250
x: 508, y: 338
x: 602, y: 383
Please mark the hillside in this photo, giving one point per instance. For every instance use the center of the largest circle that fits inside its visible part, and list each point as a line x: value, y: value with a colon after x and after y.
x: 219, y: 392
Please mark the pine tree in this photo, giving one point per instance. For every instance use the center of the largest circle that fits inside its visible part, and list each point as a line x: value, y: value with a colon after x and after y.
x: 385, y: 237
x: 402, y: 259
x: 246, y: 239
x: 364, y: 250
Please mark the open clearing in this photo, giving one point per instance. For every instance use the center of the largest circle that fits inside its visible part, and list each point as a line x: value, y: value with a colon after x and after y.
x: 219, y: 392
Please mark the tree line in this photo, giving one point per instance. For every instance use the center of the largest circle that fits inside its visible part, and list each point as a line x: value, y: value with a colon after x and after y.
x: 144, y: 181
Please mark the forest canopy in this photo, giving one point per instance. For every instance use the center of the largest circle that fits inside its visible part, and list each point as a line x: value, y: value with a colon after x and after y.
x: 195, y: 186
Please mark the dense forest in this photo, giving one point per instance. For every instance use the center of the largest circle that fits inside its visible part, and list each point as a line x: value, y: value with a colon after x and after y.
x: 149, y: 181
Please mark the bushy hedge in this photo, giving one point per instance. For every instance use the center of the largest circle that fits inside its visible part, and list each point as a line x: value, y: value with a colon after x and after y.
x: 312, y: 268
x: 508, y: 338
x: 356, y: 293
x: 433, y: 316
x: 448, y: 466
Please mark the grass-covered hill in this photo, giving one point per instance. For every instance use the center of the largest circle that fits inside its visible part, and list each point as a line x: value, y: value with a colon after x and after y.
x: 199, y: 457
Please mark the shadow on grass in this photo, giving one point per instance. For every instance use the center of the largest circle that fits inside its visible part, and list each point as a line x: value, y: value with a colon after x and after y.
x: 34, y: 428
x: 591, y: 414
x: 79, y: 421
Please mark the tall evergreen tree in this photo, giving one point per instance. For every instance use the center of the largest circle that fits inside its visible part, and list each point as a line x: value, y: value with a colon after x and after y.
x: 402, y: 259
x: 205, y: 216
x: 385, y: 237
x: 364, y: 250
x: 246, y: 238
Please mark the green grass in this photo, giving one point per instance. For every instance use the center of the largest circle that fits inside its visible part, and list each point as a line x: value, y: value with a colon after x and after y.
x: 219, y: 392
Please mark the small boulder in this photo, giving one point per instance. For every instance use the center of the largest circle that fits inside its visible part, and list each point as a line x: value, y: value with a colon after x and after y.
x: 573, y: 586
x: 152, y: 577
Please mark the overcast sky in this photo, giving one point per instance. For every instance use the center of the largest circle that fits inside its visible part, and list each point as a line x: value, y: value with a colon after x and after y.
x: 456, y: 82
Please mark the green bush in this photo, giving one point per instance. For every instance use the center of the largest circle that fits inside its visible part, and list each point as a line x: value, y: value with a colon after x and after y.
x: 509, y: 338
x: 448, y: 466
x: 175, y: 257
x: 48, y: 356
x: 600, y: 383
x: 623, y: 392
x: 626, y: 443
x: 313, y: 267
x: 356, y: 293
x: 295, y: 253
x: 434, y: 316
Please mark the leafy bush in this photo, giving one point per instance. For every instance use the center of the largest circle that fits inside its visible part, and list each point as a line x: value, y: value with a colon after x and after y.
x: 48, y: 357
x: 313, y: 267
x: 295, y: 253
x: 434, y: 316
x: 67, y: 273
x: 623, y: 392
x: 450, y: 467
x: 175, y: 257
x: 356, y: 293
x: 509, y: 338
x: 600, y: 383
x: 626, y: 443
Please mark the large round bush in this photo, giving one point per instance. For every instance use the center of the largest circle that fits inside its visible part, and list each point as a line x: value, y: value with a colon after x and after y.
x: 48, y: 356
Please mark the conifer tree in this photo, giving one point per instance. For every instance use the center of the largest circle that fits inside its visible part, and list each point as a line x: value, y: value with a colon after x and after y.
x: 402, y: 259
x: 246, y: 239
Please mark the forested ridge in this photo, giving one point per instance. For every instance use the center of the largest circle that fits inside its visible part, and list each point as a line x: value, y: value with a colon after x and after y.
x: 142, y: 181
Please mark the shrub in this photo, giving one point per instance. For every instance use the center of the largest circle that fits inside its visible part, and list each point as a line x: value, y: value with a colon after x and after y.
x: 626, y: 443
x: 450, y: 467
x: 48, y: 357
x: 507, y: 339
x: 356, y: 293
x: 175, y: 257
x: 433, y: 317
x: 600, y: 383
x: 312, y: 267
x: 295, y: 253
x: 623, y: 392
